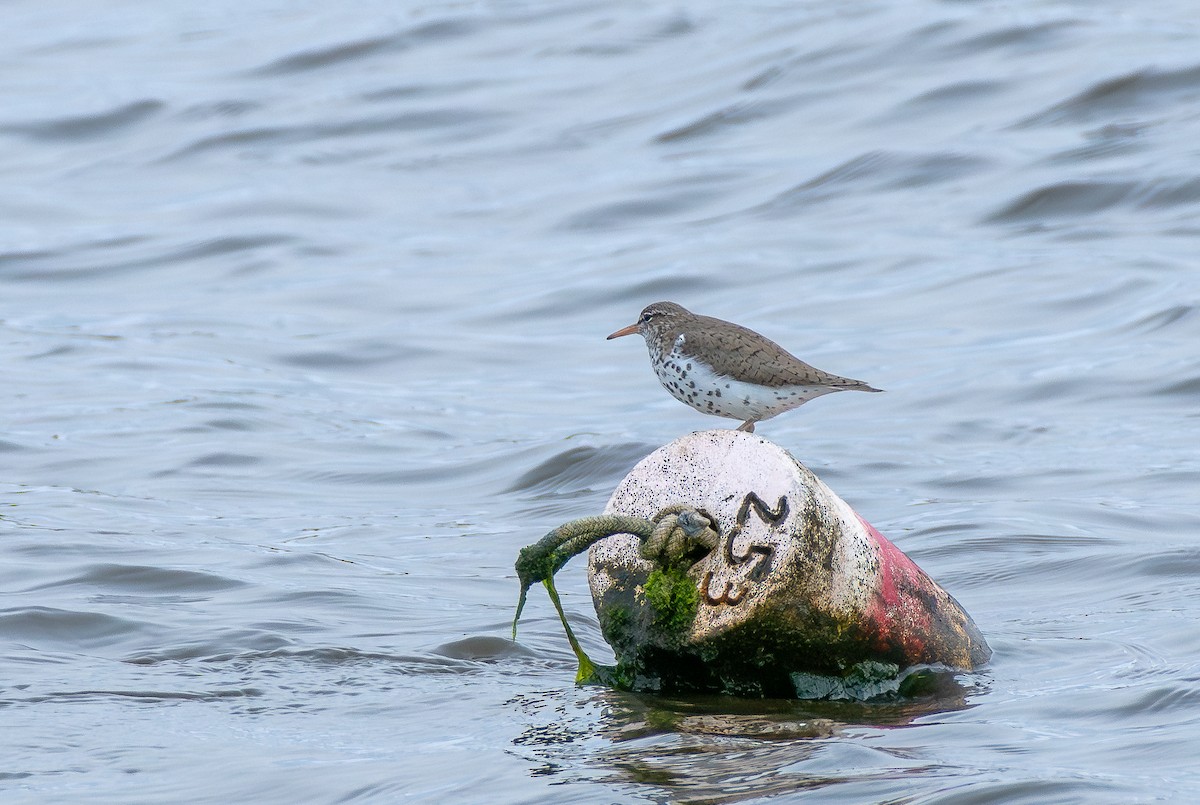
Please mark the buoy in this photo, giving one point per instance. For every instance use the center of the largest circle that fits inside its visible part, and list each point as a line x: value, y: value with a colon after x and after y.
x: 798, y: 590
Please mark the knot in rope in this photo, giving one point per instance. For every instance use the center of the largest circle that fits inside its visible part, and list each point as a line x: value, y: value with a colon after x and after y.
x: 681, y: 536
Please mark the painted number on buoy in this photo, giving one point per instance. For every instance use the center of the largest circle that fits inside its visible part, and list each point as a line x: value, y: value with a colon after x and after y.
x: 757, y: 556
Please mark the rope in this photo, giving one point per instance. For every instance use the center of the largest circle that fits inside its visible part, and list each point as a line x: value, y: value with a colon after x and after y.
x: 671, y: 539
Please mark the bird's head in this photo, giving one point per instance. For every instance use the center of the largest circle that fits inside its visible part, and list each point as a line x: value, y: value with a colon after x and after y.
x: 654, y: 319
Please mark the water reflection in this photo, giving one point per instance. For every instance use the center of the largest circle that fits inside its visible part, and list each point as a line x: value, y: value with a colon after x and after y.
x: 724, y: 749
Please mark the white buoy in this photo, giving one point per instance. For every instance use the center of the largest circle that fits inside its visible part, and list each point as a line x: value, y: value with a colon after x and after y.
x: 798, y: 584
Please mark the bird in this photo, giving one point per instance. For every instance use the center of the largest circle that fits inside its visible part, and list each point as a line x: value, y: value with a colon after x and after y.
x: 724, y: 369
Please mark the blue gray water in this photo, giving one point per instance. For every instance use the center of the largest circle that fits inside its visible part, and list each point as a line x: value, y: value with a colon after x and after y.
x: 302, y: 318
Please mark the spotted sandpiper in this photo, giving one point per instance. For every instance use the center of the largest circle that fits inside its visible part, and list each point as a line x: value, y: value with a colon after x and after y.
x: 724, y: 369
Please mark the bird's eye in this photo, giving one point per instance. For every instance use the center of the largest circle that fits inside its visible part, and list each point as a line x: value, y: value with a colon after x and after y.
x: 645, y: 318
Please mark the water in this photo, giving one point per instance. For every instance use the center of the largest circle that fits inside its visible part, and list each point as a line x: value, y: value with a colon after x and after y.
x: 302, y: 313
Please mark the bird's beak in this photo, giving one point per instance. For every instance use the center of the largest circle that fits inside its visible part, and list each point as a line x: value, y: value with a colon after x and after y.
x: 630, y: 330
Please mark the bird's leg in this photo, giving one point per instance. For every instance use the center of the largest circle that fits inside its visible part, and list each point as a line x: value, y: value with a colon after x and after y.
x: 747, y: 426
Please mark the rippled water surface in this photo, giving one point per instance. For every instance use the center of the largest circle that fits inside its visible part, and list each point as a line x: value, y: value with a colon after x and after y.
x: 302, y: 311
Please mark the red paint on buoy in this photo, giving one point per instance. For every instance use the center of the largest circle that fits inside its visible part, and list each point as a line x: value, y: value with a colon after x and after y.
x: 904, y: 614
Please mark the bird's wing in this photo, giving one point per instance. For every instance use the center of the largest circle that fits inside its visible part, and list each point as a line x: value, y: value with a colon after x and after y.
x: 735, y: 351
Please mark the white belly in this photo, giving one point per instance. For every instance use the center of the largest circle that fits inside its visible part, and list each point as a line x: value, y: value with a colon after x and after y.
x: 694, y: 383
